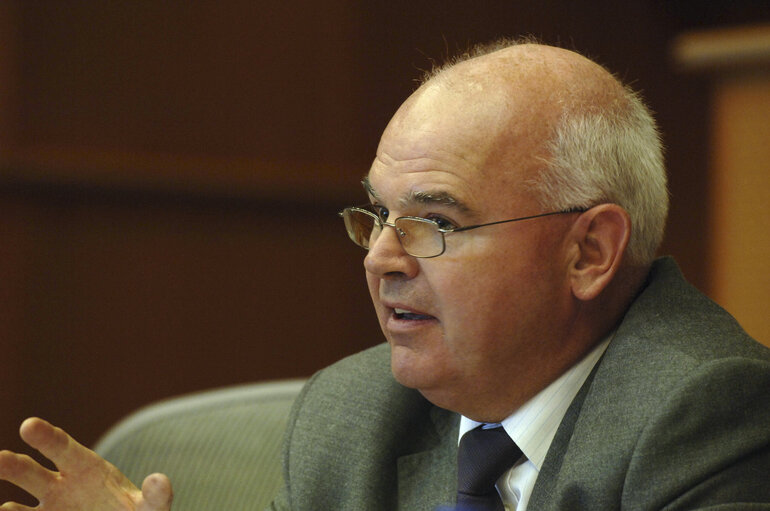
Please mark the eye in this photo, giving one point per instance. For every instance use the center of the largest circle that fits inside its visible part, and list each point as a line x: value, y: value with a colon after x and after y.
x: 442, y: 222
x: 381, y: 211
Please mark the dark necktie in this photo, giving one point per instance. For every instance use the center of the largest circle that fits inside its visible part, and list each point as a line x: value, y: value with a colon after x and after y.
x: 483, y: 456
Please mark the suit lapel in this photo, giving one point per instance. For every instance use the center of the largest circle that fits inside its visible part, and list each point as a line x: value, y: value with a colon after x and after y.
x: 428, y: 478
x: 589, y: 454
x: 542, y: 493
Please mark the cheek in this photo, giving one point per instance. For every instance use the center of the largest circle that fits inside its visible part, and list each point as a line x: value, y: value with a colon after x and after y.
x: 480, y: 311
x: 374, y: 292
x: 374, y: 285
x: 498, y: 298
x: 469, y: 297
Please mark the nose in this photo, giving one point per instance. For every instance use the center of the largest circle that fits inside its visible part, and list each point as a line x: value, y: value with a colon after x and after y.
x: 387, y: 258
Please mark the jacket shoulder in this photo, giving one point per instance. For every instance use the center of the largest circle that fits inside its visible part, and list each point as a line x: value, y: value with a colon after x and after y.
x: 349, y: 426
x: 680, y: 371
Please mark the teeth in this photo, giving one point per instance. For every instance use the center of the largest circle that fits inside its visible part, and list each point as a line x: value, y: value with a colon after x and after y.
x: 401, y: 311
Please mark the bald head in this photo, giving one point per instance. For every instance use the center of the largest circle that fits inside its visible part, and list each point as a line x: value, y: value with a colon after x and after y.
x: 558, y: 126
x: 536, y: 70
x: 525, y: 89
x: 516, y: 295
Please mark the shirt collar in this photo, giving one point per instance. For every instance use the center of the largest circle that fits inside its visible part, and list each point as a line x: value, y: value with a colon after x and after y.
x: 534, y: 424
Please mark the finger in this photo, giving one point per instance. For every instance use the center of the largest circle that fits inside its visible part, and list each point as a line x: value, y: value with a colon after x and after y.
x: 26, y: 473
x: 55, y: 444
x: 156, y: 493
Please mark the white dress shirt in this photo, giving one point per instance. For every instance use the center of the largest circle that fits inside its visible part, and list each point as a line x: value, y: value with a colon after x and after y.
x: 533, y: 427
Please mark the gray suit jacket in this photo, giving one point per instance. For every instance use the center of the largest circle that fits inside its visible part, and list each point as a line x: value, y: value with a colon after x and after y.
x: 676, y: 415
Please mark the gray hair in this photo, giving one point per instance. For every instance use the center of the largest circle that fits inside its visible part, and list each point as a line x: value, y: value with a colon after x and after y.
x: 609, y: 152
x: 610, y: 155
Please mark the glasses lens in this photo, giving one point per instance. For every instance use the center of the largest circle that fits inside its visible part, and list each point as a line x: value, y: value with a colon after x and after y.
x: 361, y: 226
x: 420, y: 238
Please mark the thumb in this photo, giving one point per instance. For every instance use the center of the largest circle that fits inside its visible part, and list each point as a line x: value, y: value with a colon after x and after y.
x: 156, y: 493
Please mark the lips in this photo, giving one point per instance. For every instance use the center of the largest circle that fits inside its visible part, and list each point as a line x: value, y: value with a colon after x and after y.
x: 410, y: 315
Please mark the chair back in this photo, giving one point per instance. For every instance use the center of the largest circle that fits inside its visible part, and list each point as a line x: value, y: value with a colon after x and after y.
x: 220, y: 448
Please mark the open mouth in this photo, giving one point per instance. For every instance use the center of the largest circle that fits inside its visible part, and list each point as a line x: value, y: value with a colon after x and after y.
x: 408, y: 315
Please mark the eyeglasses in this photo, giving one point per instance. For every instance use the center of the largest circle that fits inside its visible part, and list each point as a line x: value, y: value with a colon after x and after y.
x: 420, y: 237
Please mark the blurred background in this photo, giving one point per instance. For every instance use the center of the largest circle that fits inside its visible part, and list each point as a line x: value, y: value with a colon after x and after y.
x: 170, y: 174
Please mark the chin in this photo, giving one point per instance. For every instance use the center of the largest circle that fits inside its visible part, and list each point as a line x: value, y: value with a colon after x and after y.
x: 411, y: 369
x: 422, y: 373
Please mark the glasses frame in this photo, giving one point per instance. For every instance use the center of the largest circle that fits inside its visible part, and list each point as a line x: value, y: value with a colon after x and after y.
x: 366, y: 209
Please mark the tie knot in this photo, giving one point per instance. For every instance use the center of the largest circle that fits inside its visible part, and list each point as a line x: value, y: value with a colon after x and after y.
x: 483, y: 456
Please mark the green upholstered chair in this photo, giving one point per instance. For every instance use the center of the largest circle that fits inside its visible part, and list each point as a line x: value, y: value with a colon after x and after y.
x: 220, y: 448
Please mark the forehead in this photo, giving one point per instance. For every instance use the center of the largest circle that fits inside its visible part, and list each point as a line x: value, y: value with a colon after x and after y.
x: 450, y: 146
x: 468, y: 198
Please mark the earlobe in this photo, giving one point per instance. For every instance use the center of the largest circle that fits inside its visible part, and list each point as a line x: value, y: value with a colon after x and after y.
x: 601, y: 235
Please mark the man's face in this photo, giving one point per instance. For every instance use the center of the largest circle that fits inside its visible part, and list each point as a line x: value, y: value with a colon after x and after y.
x: 472, y: 327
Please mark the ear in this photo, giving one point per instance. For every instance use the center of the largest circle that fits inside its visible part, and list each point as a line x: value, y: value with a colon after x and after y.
x: 600, y: 237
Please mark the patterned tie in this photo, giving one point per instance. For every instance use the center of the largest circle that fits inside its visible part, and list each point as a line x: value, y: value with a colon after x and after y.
x: 483, y: 456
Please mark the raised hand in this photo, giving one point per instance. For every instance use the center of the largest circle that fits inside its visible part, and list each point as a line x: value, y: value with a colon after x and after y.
x: 84, y: 482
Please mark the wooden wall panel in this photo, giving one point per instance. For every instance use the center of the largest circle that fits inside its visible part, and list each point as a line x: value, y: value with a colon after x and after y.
x: 735, y: 61
x: 740, y: 240
x: 266, y: 80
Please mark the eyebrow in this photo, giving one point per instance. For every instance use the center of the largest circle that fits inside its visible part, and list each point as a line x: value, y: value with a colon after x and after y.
x: 368, y: 187
x: 422, y: 197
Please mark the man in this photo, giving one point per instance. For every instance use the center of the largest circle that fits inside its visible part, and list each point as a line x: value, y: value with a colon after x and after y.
x: 517, y: 200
